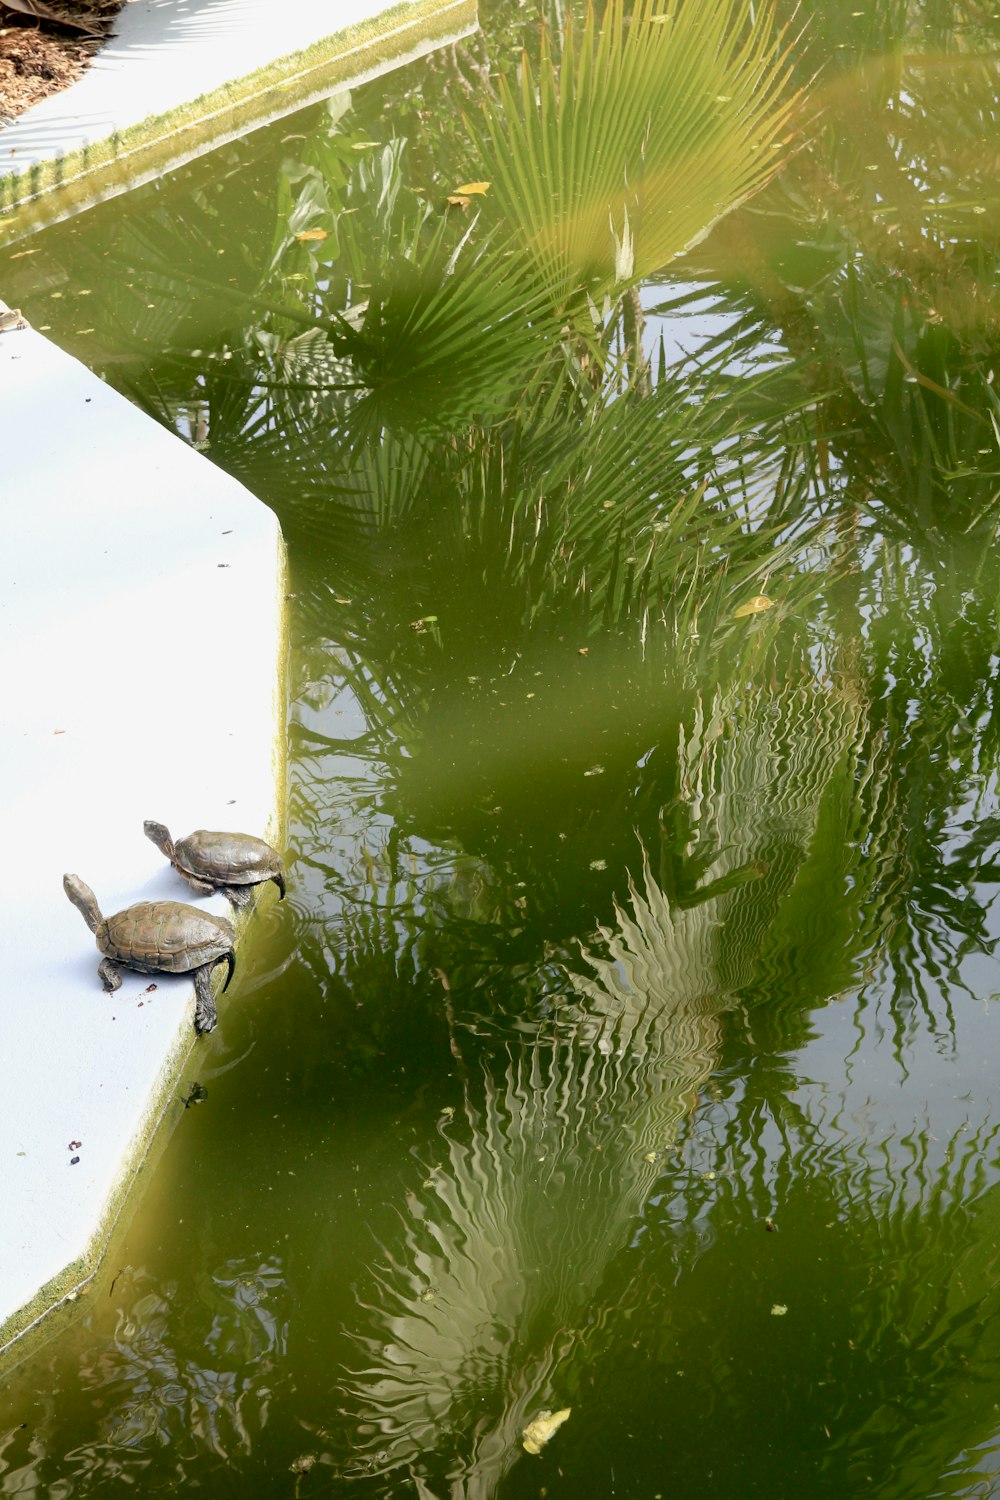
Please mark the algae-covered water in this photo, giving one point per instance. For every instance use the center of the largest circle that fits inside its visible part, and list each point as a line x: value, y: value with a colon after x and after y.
x: 626, y: 1048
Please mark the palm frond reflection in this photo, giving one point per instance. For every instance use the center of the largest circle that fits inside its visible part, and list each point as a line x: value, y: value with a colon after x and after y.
x: 473, y: 1319
x: 498, y: 1272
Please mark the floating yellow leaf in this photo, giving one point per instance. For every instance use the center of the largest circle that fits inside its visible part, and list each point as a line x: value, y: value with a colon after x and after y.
x: 537, y: 1433
x: 312, y: 234
x: 754, y: 606
x: 469, y: 188
x: 458, y: 200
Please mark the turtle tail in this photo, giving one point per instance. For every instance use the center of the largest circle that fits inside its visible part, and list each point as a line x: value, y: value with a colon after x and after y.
x: 230, y: 959
x: 279, y: 881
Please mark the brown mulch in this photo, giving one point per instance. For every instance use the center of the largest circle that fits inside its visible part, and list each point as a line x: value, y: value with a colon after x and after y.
x: 41, y: 54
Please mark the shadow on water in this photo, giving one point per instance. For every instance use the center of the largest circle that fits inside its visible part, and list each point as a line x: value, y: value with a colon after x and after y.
x: 623, y: 1048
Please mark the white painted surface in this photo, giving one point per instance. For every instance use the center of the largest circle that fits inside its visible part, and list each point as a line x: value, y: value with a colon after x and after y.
x: 164, y: 54
x: 140, y: 626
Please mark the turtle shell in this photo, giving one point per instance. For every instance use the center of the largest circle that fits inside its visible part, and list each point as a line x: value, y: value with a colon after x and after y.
x: 227, y: 858
x: 164, y: 937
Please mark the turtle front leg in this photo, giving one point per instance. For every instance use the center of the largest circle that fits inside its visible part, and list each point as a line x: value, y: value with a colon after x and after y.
x: 205, y: 1013
x: 111, y: 975
x: 200, y: 887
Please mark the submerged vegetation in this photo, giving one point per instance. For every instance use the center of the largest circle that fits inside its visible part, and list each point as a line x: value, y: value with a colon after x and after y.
x: 626, y: 382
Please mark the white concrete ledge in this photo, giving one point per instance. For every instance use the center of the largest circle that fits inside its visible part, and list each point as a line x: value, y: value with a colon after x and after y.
x: 180, y: 77
x: 141, y: 671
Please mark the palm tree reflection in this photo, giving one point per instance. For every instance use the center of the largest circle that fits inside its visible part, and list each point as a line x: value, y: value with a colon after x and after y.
x: 496, y: 1279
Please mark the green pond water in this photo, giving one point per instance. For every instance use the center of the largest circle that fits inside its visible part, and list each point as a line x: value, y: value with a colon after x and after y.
x: 627, y: 1043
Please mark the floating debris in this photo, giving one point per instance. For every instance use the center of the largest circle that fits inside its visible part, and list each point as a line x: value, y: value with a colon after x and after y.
x: 537, y: 1433
x: 754, y: 606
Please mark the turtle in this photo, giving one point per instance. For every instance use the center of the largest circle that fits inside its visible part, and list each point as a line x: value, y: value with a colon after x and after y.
x: 228, y: 862
x: 159, y: 937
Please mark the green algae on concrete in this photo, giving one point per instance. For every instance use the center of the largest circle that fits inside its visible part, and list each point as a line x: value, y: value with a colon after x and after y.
x: 20, y: 1332
x: 53, y: 190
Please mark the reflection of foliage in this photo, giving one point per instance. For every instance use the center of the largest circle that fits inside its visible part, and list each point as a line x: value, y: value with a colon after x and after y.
x: 614, y: 161
x: 482, y: 1315
x: 517, y: 561
x: 429, y: 321
x: 877, y: 257
x: 774, y: 811
x: 147, y: 1395
x: 885, y: 1258
x: 936, y: 703
x: 503, y: 1263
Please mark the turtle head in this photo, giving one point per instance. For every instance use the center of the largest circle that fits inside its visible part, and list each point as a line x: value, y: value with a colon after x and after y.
x: 83, y: 899
x: 160, y: 836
